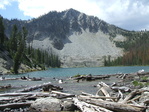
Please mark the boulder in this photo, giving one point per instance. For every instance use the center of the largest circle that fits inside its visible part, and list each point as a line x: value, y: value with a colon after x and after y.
x: 69, y: 106
x: 46, y: 104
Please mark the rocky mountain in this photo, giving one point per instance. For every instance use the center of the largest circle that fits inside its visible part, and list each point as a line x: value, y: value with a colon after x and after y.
x: 80, y: 40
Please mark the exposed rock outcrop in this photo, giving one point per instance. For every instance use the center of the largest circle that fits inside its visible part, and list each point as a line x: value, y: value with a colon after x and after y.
x: 79, y: 39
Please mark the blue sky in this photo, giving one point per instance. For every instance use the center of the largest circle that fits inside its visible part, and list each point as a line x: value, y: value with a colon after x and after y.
x: 127, y: 14
x: 12, y: 12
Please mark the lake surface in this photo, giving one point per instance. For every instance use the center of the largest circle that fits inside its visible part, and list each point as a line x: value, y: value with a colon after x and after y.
x: 65, y: 73
x: 68, y: 72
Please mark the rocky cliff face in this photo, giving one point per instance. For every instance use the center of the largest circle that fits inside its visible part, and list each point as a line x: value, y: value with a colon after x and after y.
x: 78, y: 39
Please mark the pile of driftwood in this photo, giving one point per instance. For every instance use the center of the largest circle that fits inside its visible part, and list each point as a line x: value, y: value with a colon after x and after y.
x: 102, y: 101
x: 24, y: 97
x: 107, y: 103
x: 108, y: 98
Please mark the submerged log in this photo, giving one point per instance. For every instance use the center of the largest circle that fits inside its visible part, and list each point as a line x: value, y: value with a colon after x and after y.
x: 6, y: 87
x: 118, y: 107
x: 91, y: 77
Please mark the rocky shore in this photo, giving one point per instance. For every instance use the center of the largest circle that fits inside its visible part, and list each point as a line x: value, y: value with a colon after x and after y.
x: 123, y: 92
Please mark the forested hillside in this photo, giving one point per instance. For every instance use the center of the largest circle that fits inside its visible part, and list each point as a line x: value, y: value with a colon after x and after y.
x: 136, y: 49
x: 21, y: 53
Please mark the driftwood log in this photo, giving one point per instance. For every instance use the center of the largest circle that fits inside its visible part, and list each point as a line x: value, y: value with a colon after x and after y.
x: 131, y: 95
x: 22, y: 94
x: 98, y: 97
x: 91, y: 77
x: 61, y: 95
x: 86, y: 107
x: 45, y: 86
x: 114, y: 106
x: 15, y: 105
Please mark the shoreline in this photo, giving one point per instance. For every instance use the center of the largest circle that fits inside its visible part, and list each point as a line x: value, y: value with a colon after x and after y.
x: 122, y: 82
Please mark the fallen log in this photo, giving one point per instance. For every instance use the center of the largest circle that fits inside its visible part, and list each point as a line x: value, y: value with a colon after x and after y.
x: 98, y: 97
x: 61, y: 95
x: 85, y: 107
x: 103, y: 89
x: 118, y: 107
x: 123, y: 88
x: 17, y: 97
x: 6, y: 87
x: 91, y: 77
x: 15, y: 105
x: 87, y: 94
x: 22, y: 94
x: 130, y: 96
x: 120, y: 96
x: 45, y: 85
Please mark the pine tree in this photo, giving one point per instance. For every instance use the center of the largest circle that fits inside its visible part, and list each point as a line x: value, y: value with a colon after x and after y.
x: 13, y: 42
x: 20, y: 51
x: 2, y: 33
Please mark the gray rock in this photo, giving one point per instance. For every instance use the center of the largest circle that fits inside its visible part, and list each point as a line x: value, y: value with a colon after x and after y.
x: 46, y: 104
x: 69, y: 106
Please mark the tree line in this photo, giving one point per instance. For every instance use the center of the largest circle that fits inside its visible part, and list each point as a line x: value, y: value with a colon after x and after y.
x: 136, y: 50
x: 21, y: 53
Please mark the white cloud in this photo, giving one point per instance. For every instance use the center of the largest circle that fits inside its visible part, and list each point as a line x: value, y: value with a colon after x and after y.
x: 35, y: 8
x: 124, y: 13
x: 4, y: 3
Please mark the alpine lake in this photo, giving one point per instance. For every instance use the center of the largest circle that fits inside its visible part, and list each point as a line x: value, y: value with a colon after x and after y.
x: 53, y: 75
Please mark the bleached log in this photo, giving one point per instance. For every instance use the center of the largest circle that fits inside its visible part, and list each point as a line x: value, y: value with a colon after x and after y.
x: 87, y: 94
x: 22, y: 94
x: 134, y: 99
x: 124, y: 76
x: 85, y: 107
x: 100, y: 97
x: 15, y: 105
x: 15, y: 97
x: 120, y: 96
x: 62, y: 95
x: 123, y: 88
x: 102, y: 84
x: 104, y: 91
x: 39, y: 86
x: 130, y: 95
x: 118, y: 107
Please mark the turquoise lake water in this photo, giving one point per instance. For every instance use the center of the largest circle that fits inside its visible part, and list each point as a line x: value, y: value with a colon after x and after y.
x: 65, y: 73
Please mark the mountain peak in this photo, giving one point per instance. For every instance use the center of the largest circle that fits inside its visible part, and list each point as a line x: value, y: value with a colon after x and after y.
x: 71, y: 13
x: 75, y: 36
